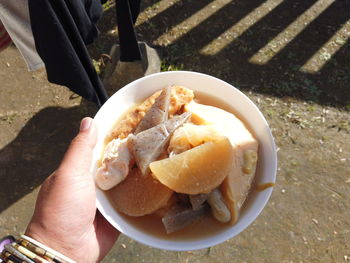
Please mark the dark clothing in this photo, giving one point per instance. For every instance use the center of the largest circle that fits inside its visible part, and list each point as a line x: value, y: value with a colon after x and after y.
x: 127, y: 12
x: 62, y: 29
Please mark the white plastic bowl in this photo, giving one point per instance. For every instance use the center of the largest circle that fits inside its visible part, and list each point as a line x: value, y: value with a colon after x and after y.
x: 139, y: 90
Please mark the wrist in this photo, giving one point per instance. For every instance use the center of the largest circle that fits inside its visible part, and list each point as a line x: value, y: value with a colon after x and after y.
x: 26, y: 249
x: 46, y: 239
x: 48, y: 250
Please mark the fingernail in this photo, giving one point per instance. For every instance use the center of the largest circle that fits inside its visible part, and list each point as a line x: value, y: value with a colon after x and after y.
x: 85, y: 124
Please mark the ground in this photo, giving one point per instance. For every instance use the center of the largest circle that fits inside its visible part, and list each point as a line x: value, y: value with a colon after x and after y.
x: 290, y: 57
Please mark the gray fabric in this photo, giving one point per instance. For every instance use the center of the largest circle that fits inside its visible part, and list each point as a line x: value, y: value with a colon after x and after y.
x: 14, y: 15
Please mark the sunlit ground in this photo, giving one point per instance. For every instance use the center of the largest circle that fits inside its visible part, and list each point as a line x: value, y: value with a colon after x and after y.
x: 291, y: 57
x: 290, y: 32
x: 282, y: 43
x: 325, y: 53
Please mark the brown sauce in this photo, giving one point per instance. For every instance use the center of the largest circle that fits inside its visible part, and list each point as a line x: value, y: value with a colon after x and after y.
x: 262, y: 187
x: 208, y: 226
x: 152, y: 224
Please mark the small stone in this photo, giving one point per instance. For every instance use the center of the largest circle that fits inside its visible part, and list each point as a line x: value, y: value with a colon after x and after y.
x: 340, y: 41
x: 283, y: 191
x: 123, y: 245
x: 315, y: 221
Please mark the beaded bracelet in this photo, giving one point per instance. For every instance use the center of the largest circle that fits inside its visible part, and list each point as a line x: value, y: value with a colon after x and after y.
x: 28, y: 250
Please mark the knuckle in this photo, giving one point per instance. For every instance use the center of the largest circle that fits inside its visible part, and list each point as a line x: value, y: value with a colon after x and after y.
x: 80, y: 142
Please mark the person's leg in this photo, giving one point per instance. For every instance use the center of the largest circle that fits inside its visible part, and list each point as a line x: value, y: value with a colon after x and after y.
x: 14, y: 15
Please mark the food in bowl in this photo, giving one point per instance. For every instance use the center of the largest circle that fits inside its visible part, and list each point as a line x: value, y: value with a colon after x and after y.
x: 173, y: 158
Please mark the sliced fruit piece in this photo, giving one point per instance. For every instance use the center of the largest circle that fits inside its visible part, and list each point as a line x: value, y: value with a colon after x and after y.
x: 139, y: 195
x: 146, y: 146
x: 235, y: 187
x: 191, y: 135
x: 196, y: 171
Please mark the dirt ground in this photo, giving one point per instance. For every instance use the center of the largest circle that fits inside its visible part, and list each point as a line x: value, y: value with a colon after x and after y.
x: 290, y: 57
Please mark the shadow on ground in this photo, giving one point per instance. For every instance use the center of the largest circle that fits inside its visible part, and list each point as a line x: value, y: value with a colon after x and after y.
x: 282, y: 75
x: 37, y: 150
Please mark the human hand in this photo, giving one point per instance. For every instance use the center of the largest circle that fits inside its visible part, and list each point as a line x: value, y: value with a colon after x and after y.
x: 65, y: 217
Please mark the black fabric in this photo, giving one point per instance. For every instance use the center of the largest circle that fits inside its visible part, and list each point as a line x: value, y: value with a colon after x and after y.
x: 62, y: 29
x: 127, y: 12
x: 135, y: 9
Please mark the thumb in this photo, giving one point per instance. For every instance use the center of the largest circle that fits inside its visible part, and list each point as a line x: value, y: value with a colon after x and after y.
x: 79, y: 154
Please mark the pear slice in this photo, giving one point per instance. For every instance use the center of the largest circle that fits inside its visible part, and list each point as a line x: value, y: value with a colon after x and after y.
x: 198, y: 170
x: 146, y: 146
